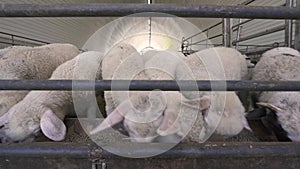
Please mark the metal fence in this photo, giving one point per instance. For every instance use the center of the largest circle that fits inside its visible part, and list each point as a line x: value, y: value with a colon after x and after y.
x: 214, y: 155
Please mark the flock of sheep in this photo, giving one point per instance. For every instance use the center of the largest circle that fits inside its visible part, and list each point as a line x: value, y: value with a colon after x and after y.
x: 148, y: 115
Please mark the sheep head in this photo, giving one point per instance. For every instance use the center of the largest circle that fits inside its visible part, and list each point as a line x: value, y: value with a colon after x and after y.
x: 19, y: 125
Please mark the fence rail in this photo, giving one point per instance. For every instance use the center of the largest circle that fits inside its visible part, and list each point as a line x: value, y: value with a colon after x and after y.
x: 166, y: 85
x: 115, y: 10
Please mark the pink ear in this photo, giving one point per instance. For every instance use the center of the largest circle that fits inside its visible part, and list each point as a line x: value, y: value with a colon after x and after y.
x: 113, y: 118
x: 53, y: 127
x: 169, y: 124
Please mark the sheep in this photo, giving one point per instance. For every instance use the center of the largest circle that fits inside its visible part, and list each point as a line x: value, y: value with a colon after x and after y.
x: 10, y: 48
x: 45, y: 110
x: 124, y: 62
x: 24, y: 63
x: 188, y: 110
x: 155, y: 69
x: 111, y: 62
x: 207, y: 65
x: 280, y: 66
x: 191, y: 108
x: 283, y: 51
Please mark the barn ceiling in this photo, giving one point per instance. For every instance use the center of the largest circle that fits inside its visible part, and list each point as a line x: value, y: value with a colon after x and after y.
x: 78, y: 30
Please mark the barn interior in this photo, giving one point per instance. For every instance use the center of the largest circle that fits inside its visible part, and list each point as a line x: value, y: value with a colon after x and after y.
x: 186, y: 34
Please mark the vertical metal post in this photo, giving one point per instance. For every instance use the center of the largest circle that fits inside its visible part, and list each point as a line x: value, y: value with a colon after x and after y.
x: 289, y: 27
x: 297, y: 31
x: 207, y: 35
x: 238, y: 34
x: 12, y: 40
x: 227, y: 32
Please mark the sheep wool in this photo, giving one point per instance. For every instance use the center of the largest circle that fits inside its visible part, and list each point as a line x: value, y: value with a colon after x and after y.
x: 281, y: 65
x: 45, y: 110
x: 30, y: 63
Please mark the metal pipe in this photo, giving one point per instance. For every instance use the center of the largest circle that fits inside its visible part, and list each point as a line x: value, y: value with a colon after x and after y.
x: 22, y: 37
x: 116, y: 10
x: 269, y: 31
x: 289, y: 27
x: 247, y: 2
x: 227, y: 32
x: 57, y: 150
x: 204, y: 150
x: 145, y: 85
x: 215, y: 25
x: 238, y: 34
x: 211, y: 150
x: 297, y: 29
x: 242, y: 23
x: 213, y: 37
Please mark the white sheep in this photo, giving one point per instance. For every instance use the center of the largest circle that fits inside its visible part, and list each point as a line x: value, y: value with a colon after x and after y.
x: 215, y: 64
x: 127, y: 64
x: 30, y: 63
x: 121, y: 54
x: 10, y: 48
x: 281, y: 66
x: 155, y: 69
x: 45, y: 110
x: 174, y: 104
x: 283, y: 51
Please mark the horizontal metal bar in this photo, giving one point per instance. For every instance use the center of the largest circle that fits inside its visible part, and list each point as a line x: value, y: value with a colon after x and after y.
x: 247, y: 2
x: 57, y: 150
x: 213, y: 37
x: 269, y: 31
x: 144, y: 85
x: 244, y: 22
x: 212, y: 150
x: 10, y: 43
x: 219, y: 23
x: 215, y: 25
x: 117, y: 10
x: 204, y: 150
x: 256, y: 51
x: 22, y: 37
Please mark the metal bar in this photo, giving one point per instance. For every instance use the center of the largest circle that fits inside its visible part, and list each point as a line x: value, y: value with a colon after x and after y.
x: 41, y: 149
x: 242, y: 23
x: 219, y: 23
x: 289, y: 27
x: 247, y: 2
x: 9, y: 43
x: 166, y: 85
x: 117, y: 10
x: 215, y: 25
x: 227, y: 32
x: 211, y: 150
x: 269, y: 31
x: 238, y: 34
x: 297, y: 29
x: 204, y: 150
x: 213, y: 37
x: 22, y: 37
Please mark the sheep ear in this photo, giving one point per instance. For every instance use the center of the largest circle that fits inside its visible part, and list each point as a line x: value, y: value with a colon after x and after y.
x: 113, y: 118
x: 53, y: 127
x: 169, y: 124
x: 278, y: 110
x: 3, y: 119
x: 201, y: 103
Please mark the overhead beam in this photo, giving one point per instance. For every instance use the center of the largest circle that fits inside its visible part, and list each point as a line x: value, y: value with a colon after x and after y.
x: 116, y: 10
